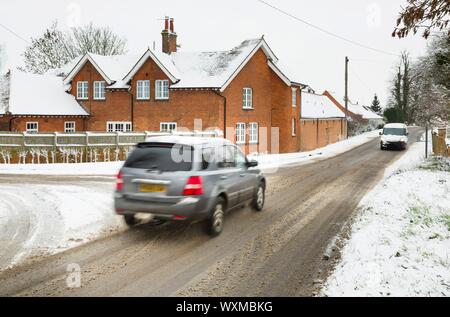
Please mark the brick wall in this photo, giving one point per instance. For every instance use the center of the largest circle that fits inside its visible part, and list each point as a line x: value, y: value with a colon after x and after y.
x: 183, y: 106
x: 256, y: 75
x: 47, y: 124
x: 116, y: 106
x: 319, y: 133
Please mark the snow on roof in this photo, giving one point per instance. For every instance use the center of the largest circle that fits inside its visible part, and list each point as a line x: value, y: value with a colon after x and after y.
x: 364, y: 111
x: 32, y: 94
x: 211, y: 69
x: 4, y: 93
x: 186, y: 69
x: 187, y: 140
x: 318, y: 107
x: 115, y: 67
x: 395, y: 126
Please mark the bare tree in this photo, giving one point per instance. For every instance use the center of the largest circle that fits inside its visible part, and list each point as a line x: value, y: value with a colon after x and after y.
x: 56, y: 48
x: 102, y: 41
x: 423, y: 14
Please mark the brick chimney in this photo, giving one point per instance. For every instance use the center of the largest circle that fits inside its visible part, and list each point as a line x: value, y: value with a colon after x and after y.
x: 169, y: 37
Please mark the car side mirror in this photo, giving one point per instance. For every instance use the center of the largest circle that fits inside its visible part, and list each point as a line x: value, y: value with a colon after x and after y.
x: 381, y: 133
x: 252, y: 163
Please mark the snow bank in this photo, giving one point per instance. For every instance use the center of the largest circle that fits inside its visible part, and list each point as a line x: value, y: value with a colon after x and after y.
x: 99, y: 168
x: 400, y: 240
x: 37, y: 220
x: 271, y: 162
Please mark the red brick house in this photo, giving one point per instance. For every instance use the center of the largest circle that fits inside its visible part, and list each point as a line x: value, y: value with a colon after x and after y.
x: 242, y: 92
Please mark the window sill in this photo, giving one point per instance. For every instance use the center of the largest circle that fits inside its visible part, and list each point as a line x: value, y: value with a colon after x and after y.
x: 248, y: 108
x: 142, y: 99
x: 253, y: 143
x: 161, y: 99
x: 240, y: 143
x: 83, y: 99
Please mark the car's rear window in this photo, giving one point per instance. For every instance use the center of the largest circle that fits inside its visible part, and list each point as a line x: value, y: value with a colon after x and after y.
x: 161, y: 157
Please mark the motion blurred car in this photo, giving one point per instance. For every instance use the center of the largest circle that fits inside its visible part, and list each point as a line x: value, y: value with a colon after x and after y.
x: 394, y: 135
x: 191, y: 179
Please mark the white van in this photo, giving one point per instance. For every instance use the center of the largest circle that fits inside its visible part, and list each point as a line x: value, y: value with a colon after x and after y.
x: 394, y: 135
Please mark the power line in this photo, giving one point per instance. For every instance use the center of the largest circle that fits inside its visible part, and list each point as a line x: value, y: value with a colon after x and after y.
x: 14, y: 33
x: 326, y: 31
x: 359, y: 78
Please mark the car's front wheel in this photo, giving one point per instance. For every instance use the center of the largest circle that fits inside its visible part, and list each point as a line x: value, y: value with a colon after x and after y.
x: 260, y: 197
x: 216, y: 220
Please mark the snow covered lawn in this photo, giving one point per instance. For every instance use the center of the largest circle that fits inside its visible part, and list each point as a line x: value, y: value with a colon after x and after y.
x: 400, y: 240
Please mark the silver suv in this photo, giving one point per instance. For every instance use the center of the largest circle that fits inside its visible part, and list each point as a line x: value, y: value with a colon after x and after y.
x: 188, y: 179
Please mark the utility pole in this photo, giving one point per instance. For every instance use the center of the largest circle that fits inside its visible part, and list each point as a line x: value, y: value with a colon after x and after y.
x: 346, y: 92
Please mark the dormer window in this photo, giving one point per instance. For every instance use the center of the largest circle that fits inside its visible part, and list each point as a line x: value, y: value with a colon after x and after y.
x: 99, y: 90
x: 82, y: 90
x: 162, y: 89
x: 143, y: 90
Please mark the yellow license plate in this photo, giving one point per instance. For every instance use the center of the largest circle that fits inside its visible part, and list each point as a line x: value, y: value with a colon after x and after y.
x: 151, y: 188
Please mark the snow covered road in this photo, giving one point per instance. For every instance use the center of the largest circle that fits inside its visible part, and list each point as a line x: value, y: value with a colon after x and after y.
x: 277, y: 252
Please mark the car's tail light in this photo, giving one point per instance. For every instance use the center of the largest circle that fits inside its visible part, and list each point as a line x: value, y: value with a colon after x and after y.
x: 119, y: 181
x: 194, y: 186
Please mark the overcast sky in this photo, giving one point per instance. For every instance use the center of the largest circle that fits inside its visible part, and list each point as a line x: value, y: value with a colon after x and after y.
x: 204, y: 25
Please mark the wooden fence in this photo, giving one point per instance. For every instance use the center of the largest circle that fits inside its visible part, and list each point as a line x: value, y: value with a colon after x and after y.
x: 82, y: 147
x: 440, y: 142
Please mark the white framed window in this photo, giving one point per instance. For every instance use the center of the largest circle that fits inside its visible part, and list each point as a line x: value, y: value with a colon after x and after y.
x: 82, y: 90
x: 168, y: 126
x: 69, y: 126
x: 161, y: 89
x: 99, y: 90
x: 240, y: 133
x: 294, y: 127
x: 32, y: 127
x: 253, y: 133
x: 247, y: 98
x: 143, y: 90
x: 119, y: 127
x: 294, y: 97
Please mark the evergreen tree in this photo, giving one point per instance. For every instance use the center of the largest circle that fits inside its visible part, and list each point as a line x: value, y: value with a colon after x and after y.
x: 376, y: 105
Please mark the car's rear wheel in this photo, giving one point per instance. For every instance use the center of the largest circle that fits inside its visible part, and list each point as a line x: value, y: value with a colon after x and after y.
x: 260, y: 198
x: 216, y: 220
x: 130, y: 220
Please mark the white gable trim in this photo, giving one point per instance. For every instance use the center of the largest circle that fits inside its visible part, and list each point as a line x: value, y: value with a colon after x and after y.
x: 269, y: 53
x: 80, y: 65
x: 279, y: 73
x: 148, y: 54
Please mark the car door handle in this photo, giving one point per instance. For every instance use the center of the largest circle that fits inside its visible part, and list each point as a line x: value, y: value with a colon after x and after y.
x: 223, y: 177
x: 242, y: 175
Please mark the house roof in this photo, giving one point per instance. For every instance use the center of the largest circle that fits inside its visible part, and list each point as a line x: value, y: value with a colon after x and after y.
x: 363, y: 111
x: 40, y: 95
x: 315, y: 106
x: 213, y: 70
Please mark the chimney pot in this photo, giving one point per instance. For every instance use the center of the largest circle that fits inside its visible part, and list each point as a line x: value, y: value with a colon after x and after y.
x: 166, y: 23
x: 172, y: 28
